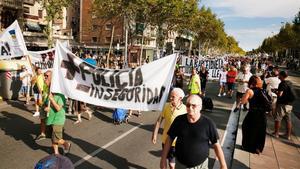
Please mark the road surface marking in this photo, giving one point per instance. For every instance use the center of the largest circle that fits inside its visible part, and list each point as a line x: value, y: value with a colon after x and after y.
x: 228, y: 140
x: 87, y: 157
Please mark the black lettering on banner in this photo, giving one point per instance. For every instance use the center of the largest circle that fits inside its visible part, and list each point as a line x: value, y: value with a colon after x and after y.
x: 102, y: 77
x: 109, y: 92
x: 97, y: 76
x: 115, y: 95
x: 83, y: 88
x: 99, y: 93
x: 149, y: 96
x: 85, y: 68
x: 4, y: 51
x: 70, y: 66
x: 144, y: 94
x: 130, y: 94
x: 156, y: 98
x: 215, y: 73
x: 118, y: 83
x: 122, y: 95
x: 131, y: 77
x: 137, y: 93
x: 138, y: 77
x: 162, y: 90
x: 112, y: 78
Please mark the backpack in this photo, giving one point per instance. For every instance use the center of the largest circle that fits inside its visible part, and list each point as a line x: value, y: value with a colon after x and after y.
x: 119, y: 115
x: 207, y: 103
x: 266, y: 101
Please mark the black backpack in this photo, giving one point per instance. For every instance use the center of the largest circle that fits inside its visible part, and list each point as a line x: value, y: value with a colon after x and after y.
x: 266, y: 101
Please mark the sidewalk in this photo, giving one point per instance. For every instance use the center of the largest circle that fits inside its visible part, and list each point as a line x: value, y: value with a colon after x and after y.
x: 279, y: 153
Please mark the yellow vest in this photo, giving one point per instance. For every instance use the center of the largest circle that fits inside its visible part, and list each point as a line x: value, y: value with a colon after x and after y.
x: 194, y: 88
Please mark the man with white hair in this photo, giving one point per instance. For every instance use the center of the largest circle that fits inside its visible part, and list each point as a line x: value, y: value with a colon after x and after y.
x: 242, y: 86
x: 171, y: 110
x: 194, y: 133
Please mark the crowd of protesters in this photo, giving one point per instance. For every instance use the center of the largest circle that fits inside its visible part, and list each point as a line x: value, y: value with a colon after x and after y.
x: 250, y: 79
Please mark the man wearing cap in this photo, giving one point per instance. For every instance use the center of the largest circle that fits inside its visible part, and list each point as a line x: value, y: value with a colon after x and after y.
x: 194, y: 133
x: 171, y: 110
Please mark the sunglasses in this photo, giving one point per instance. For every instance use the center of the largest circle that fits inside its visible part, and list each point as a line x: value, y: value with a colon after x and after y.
x: 191, y: 105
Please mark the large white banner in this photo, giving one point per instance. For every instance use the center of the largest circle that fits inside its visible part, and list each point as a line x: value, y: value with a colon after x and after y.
x: 12, y: 43
x: 43, y: 59
x: 143, y: 88
x: 214, y: 66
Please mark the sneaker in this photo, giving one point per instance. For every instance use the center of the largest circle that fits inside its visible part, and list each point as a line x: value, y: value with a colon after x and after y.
x: 77, y: 122
x: 36, y: 114
x: 219, y: 95
x: 89, y: 114
x: 40, y: 137
x: 224, y: 94
x: 67, y: 150
x: 236, y: 109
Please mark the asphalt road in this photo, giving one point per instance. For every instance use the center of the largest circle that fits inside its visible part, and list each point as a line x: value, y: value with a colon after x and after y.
x: 97, y: 143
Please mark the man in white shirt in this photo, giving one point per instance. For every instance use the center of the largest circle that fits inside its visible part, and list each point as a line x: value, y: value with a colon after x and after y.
x: 25, y: 76
x: 222, y: 80
x: 272, y: 86
x: 242, y: 85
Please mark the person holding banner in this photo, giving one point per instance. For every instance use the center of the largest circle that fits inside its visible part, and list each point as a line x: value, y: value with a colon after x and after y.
x: 170, y: 112
x: 25, y: 76
x: 55, y: 109
x: 38, y: 89
x: 194, y: 86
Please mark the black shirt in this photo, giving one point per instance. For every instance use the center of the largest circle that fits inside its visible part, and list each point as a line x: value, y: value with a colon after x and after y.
x: 192, y: 145
x: 284, y: 87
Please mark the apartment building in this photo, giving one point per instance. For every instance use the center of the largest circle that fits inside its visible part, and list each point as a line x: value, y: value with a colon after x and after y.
x: 10, y: 10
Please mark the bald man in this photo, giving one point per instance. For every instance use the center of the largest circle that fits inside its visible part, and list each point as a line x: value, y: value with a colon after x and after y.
x: 194, y: 132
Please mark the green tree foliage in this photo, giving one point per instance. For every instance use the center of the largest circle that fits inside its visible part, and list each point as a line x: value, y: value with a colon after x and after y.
x: 171, y: 15
x: 210, y: 32
x: 287, y: 38
x: 54, y: 10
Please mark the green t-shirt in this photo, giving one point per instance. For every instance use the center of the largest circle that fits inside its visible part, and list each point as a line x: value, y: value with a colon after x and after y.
x: 57, y: 118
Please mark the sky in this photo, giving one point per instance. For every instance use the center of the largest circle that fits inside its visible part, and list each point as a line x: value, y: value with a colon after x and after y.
x: 251, y: 21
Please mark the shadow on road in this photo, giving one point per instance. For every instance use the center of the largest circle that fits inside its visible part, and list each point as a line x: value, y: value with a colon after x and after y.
x: 22, y: 129
x: 105, y: 155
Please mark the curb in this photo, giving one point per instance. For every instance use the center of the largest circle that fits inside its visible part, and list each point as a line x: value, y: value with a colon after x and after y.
x: 241, y: 158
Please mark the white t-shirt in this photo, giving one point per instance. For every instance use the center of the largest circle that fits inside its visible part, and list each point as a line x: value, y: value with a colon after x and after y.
x: 223, y: 76
x: 26, y: 78
x: 242, y: 87
x: 273, y: 82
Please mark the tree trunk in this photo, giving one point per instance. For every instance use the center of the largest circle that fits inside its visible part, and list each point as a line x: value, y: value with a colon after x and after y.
x: 142, y: 46
x: 110, y: 45
x: 199, y: 46
x: 50, y: 34
x: 190, y: 48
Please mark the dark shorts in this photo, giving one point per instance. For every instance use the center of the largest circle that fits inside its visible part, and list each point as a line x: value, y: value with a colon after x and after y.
x: 230, y: 86
x: 171, y: 154
x: 239, y: 95
x: 57, y: 133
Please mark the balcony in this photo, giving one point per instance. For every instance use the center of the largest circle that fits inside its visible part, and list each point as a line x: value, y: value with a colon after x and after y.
x: 16, y: 4
x: 30, y: 2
